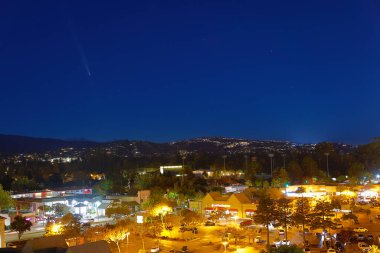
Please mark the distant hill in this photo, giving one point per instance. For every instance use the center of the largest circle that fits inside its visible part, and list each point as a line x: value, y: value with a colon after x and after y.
x: 14, y: 144
x: 212, y: 145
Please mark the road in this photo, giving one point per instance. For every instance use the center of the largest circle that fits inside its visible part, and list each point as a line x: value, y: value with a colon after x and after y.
x: 209, y: 238
x: 38, y: 230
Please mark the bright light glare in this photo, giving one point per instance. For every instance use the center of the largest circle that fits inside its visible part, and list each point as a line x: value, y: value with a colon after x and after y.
x: 56, y: 228
x: 161, y: 210
x: 348, y: 193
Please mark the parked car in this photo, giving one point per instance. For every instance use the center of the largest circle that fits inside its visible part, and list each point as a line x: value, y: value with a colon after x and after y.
x: 155, y: 249
x: 78, y: 216
x: 360, y: 230
x: 246, y: 223
x: 11, y: 245
x: 281, y: 231
x: 39, y: 218
x: 369, y: 238
x: 339, y: 246
x: 87, y: 220
x: 283, y: 242
x: 209, y: 223
x: 328, y: 237
x: 363, y: 246
x: 361, y: 237
x: 258, y: 239
x: 86, y: 225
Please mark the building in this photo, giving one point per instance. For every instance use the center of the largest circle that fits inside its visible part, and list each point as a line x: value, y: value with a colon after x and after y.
x: 99, y: 247
x: 57, y: 244
x: 32, y: 204
x: 141, y: 197
x: 203, y: 173
x: 237, y: 205
x: 2, y: 232
x: 235, y: 188
x: 310, y: 191
x: 45, y: 244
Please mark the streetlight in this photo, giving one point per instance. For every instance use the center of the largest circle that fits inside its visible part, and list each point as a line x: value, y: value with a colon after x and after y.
x: 225, y: 245
x: 327, y: 164
x: 161, y: 211
x: 271, y: 164
x: 128, y: 233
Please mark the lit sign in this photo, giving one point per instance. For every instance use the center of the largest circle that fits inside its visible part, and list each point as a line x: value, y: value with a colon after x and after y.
x: 220, y: 205
x: 172, y: 167
x: 139, y: 219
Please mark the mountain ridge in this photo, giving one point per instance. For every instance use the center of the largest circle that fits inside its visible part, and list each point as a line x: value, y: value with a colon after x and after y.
x: 18, y: 144
x: 15, y: 144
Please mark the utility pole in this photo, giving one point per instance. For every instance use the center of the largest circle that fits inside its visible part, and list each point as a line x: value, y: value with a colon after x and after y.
x: 246, y: 162
x: 271, y: 164
x: 327, y: 164
x: 183, y: 169
x: 224, y: 162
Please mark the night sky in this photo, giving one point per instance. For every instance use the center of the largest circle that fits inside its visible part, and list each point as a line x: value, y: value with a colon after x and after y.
x: 305, y: 71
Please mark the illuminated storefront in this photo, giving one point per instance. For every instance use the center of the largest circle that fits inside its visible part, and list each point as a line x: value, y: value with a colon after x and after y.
x: 236, y: 205
x: 310, y: 191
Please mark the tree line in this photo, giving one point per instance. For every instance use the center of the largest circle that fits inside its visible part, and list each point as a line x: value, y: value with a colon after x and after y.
x: 122, y: 172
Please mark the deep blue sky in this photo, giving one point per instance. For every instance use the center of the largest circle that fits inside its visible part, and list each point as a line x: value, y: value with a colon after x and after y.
x: 304, y: 71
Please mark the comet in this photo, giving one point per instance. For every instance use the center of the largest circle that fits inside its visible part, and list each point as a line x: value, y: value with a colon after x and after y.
x: 78, y: 46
